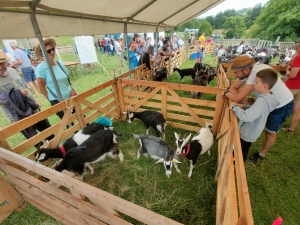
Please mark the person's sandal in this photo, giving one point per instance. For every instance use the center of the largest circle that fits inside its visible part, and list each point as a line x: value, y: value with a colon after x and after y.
x: 288, y: 130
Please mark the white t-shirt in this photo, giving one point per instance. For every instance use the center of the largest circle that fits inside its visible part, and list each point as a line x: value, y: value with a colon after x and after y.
x: 280, y: 91
x: 240, y: 49
x: 117, y: 46
x: 221, y: 52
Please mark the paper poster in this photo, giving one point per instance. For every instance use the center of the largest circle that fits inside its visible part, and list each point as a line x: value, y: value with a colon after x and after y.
x: 85, y: 49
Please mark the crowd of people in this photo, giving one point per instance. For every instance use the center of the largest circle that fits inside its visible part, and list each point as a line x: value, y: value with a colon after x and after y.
x: 140, y: 48
x: 275, y: 100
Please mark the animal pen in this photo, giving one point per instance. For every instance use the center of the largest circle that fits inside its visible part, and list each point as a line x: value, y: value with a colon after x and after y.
x: 85, y: 204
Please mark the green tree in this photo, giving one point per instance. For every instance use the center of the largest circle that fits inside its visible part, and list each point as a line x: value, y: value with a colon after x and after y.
x: 205, y: 27
x: 252, y: 14
x: 234, y: 26
x: 211, y: 20
x: 187, y: 35
x: 278, y: 18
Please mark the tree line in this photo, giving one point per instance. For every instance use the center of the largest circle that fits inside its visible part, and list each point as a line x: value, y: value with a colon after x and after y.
x: 275, y: 18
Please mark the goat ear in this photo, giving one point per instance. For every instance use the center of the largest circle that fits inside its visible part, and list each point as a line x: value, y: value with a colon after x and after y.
x: 188, y: 138
x: 160, y: 160
x: 131, y: 115
x: 125, y: 113
x: 175, y: 161
x: 176, y: 135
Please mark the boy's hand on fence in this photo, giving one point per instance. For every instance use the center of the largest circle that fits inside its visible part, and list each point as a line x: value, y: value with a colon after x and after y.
x: 233, y: 104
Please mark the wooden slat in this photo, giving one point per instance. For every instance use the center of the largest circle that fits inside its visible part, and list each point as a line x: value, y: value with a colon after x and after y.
x: 94, y: 194
x: 218, y: 113
x: 183, y: 126
x: 54, y: 207
x: 164, y: 101
x: 29, y: 121
x: 202, y: 112
x: 11, y: 195
x: 186, y: 107
x: 243, y: 192
x: 5, y: 211
x: 141, y: 102
x: 191, y: 101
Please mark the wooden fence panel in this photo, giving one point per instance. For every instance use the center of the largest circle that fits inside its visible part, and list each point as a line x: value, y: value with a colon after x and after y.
x: 43, y: 192
x: 230, y: 208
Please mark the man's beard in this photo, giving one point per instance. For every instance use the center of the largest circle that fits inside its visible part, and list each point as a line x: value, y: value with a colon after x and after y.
x: 244, y: 76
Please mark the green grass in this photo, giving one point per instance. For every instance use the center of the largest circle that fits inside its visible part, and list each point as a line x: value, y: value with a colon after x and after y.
x: 273, y: 183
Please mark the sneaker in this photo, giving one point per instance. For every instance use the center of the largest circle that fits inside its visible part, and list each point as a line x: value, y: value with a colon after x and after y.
x: 255, y: 157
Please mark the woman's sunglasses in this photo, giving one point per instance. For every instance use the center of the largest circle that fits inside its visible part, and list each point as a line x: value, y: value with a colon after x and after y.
x: 51, y: 49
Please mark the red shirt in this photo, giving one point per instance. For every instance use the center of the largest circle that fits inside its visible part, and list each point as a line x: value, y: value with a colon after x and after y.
x: 295, y: 82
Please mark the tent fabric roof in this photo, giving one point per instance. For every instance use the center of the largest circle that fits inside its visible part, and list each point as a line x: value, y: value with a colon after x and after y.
x: 77, y: 17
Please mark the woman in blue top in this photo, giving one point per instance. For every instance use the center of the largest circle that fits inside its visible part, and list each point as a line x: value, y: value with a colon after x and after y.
x: 44, y: 78
x: 132, y: 55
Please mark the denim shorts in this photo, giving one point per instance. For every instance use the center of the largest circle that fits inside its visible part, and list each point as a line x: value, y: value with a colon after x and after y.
x: 278, y: 116
x: 28, y: 74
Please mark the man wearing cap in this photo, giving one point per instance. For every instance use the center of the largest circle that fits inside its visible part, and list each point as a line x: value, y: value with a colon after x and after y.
x: 245, y: 69
x: 24, y: 62
x: 9, y: 78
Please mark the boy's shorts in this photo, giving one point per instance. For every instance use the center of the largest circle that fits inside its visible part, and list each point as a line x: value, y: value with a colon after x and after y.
x: 277, y: 117
x: 28, y: 74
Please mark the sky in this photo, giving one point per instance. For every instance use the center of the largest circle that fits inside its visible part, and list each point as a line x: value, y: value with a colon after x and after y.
x: 232, y: 4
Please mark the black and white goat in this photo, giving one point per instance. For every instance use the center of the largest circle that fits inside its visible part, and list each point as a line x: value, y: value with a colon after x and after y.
x: 158, y: 149
x: 151, y: 119
x: 200, y: 144
x: 186, y: 72
x: 44, y: 153
x: 93, y: 150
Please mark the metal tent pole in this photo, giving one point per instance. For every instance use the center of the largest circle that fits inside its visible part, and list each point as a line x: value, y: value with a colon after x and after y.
x: 40, y: 38
x: 127, y: 43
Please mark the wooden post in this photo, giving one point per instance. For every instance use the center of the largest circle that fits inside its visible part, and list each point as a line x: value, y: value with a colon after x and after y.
x: 79, y: 114
x: 218, y: 113
x: 164, y: 101
x: 63, y: 124
x: 120, y: 94
x: 116, y: 96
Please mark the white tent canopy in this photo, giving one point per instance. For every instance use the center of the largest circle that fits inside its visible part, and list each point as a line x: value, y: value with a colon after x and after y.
x: 77, y: 17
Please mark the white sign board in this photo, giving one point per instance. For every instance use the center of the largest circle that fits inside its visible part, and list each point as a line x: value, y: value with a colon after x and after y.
x: 85, y: 49
x: 7, y: 46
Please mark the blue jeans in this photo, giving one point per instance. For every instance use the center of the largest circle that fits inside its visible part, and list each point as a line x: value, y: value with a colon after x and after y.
x: 278, y: 116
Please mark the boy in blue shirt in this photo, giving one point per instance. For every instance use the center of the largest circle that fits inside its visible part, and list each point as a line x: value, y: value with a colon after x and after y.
x: 253, y: 118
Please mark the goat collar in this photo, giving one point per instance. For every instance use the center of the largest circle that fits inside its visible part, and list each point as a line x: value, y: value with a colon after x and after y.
x: 63, y: 150
x: 206, y: 76
x: 187, y: 151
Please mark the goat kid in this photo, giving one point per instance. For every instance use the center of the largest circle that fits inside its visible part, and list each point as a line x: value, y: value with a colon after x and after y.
x: 151, y: 119
x: 161, y: 74
x: 199, y: 81
x: 158, y: 149
x: 186, y: 72
x: 200, y: 144
x: 93, y: 150
x: 44, y: 154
